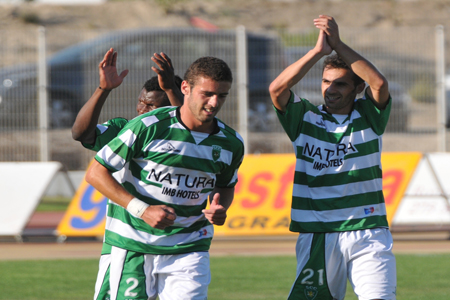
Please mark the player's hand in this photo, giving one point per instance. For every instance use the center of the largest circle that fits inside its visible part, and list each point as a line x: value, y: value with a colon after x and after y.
x: 331, y: 29
x: 216, y: 214
x: 109, y: 78
x: 159, y: 216
x: 322, y: 45
x: 165, y: 71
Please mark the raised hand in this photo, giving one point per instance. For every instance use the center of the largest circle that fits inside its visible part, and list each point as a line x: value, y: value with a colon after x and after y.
x: 159, y: 216
x: 322, y: 45
x: 165, y: 72
x: 216, y: 214
x: 328, y: 25
x: 109, y: 78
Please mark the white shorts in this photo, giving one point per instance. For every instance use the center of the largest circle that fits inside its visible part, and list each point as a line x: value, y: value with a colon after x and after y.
x: 102, y: 291
x: 326, y: 260
x: 143, y: 276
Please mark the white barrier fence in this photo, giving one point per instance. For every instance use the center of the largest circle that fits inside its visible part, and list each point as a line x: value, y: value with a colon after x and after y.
x: 22, y: 186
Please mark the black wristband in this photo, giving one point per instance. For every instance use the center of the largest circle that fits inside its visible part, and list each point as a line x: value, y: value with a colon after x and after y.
x: 104, y: 89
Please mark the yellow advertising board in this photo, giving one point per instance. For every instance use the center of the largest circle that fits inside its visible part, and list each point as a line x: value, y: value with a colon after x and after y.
x: 86, y: 214
x: 262, y: 199
x: 398, y: 168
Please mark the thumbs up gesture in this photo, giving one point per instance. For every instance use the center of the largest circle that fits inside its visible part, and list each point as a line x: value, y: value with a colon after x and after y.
x: 216, y: 214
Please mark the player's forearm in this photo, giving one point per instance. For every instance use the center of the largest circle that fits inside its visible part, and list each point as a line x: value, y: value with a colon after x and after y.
x: 176, y: 97
x: 361, y: 66
x: 102, y: 180
x: 280, y: 88
x: 379, y: 90
x: 83, y: 129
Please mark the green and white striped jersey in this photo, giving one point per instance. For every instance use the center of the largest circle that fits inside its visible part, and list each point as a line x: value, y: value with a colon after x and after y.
x: 104, y: 133
x: 338, y: 177
x: 162, y: 162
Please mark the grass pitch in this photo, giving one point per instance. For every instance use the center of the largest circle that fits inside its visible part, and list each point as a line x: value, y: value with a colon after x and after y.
x: 233, y: 277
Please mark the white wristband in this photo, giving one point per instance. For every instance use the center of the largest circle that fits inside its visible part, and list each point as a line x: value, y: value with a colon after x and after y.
x: 137, y: 207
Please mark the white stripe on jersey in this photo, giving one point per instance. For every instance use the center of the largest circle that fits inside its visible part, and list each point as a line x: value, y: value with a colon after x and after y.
x: 297, y: 98
x: 356, y: 137
x: 221, y: 125
x: 325, y: 192
x: 349, y: 164
x: 169, y: 178
x: 178, y: 126
x: 179, y: 221
x: 188, y: 149
x: 318, y: 121
x: 110, y: 158
x: 128, y: 138
x: 102, y: 128
x: 149, y: 120
x: 125, y: 230
x: 338, y: 215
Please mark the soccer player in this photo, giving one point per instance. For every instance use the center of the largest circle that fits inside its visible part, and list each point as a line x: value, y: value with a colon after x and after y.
x: 337, y: 203
x: 159, y: 91
x: 169, y: 162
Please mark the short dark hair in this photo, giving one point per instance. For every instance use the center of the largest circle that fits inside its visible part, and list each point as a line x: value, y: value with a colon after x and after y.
x: 210, y: 67
x: 336, y: 62
x: 153, y: 85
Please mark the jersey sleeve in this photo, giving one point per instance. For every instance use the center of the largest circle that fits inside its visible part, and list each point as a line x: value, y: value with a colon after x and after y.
x: 122, y: 148
x: 229, y: 176
x: 233, y: 146
x: 292, y: 119
x: 106, y: 132
x: 377, y: 118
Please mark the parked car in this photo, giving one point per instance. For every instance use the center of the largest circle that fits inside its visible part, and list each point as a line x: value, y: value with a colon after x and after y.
x: 73, y: 72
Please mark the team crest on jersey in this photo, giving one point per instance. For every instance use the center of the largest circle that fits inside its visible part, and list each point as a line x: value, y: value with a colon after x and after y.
x: 311, y: 292
x: 216, y: 152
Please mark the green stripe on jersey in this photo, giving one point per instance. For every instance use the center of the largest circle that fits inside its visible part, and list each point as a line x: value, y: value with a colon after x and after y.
x: 366, y: 199
x: 106, y: 132
x: 120, y: 213
x: 344, y: 178
x: 125, y: 243
x: 347, y: 225
x: 180, y: 210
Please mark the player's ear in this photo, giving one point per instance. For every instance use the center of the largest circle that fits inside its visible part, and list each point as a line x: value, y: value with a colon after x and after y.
x: 360, y: 87
x: 185, y: 87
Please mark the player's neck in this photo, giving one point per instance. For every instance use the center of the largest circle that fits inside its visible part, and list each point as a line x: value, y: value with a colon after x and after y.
x: 193, y: 124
